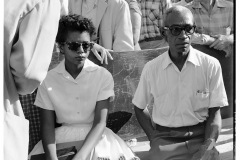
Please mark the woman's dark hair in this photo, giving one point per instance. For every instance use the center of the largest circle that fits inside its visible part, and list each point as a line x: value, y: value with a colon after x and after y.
x: 73, y: 23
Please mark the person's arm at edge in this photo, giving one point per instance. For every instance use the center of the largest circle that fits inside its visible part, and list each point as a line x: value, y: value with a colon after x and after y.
x: 31, y: 54
x: 47, y: 121
x: 94, y: 135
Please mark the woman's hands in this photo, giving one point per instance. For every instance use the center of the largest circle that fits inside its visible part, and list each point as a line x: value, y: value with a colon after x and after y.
x: 105, y: 53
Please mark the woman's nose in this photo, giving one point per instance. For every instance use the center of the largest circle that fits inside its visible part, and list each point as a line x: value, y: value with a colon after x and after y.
x: 80, y: 50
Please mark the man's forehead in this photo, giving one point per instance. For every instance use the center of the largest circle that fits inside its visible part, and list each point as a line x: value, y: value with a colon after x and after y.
x: 180, y: 19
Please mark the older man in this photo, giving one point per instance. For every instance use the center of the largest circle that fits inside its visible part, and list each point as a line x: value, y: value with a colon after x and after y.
x: 187, y: 89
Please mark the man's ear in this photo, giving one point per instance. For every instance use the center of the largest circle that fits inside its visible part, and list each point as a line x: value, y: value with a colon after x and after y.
x: 163, y: 32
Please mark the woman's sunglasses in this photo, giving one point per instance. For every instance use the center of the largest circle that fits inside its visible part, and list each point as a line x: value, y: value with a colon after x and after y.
x: 177, y: 29
x: 75, y: 46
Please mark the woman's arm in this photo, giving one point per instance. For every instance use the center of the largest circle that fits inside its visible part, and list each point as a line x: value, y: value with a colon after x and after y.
x: 96, y: 131
x: 47, y: 120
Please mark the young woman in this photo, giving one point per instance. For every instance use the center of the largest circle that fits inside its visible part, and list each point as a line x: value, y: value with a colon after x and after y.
x: 78, y: 92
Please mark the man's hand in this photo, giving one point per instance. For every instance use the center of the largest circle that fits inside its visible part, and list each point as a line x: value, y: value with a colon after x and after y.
x: 206, y: 152
x: 222, y: 41
x: 105, y: 53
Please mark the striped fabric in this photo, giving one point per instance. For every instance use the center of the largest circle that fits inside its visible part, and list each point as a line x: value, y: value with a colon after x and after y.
x: 152, y: 17
x: 220, y: 21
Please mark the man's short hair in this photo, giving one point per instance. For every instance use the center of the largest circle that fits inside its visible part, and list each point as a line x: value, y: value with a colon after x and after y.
x: 175, y: 9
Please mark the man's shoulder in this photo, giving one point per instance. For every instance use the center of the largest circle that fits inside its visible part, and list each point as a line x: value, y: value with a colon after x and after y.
x: 205, y: 58
x: 157, y: 62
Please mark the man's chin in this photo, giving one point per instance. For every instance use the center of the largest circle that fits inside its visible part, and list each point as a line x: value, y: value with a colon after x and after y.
x: 184, y: 50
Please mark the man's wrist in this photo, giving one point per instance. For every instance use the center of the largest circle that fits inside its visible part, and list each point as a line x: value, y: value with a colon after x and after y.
x: 210, y: 143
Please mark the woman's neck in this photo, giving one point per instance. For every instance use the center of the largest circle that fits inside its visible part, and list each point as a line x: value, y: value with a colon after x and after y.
x: 74, y: 70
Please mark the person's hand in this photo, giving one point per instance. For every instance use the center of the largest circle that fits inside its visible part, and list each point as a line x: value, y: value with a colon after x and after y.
x: 206, y: 152
x: 105, y: 53
x: 208, y: 155
x: 78, y: 157
x: 221, y: 42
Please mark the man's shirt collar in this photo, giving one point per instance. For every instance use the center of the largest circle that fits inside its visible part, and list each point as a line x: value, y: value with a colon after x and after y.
x: 218, y: 3
x: 192, y: 57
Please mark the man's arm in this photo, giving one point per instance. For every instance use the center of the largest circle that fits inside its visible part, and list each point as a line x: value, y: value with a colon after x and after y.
x: 123, y: 35
x: 136, y: 16
x: 32, y: 51
x: 214, y: 124
x: 145, y: 121
x: 202, y: 39
x: 222, y: 42
x: 212, y: 131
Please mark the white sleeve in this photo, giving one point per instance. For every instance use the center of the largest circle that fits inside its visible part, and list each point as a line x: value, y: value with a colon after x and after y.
x: 32, y: 52
x: 123, y: 35
x: 42, y: 99
x: 143, y: 96
x: 107, y: 87
x: 218, y: 96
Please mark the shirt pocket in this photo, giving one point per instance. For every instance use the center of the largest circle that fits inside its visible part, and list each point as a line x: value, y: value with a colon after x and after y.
x: 162, y: 104
x: 202, y: 101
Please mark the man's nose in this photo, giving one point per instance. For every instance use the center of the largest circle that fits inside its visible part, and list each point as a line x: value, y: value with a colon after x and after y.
x: 183, y: 33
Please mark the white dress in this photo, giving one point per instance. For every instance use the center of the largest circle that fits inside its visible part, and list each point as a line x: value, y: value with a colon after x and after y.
x: 73, y: 101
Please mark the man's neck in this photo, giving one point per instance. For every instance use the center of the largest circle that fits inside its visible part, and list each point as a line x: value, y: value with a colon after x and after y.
x: 179, y: 61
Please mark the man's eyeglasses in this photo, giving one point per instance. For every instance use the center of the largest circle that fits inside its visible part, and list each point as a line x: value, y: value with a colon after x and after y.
x: 75, y: 46
x: 177, y: 29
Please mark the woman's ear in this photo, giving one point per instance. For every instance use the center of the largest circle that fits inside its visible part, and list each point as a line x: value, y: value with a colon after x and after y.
x: 60, y: 47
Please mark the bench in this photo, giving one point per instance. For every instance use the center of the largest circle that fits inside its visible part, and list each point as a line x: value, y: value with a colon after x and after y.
x: 126, y: 69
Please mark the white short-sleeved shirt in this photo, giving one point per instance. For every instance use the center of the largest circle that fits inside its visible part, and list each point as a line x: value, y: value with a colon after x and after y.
x: 74, y: 100
x: 181, y: 98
